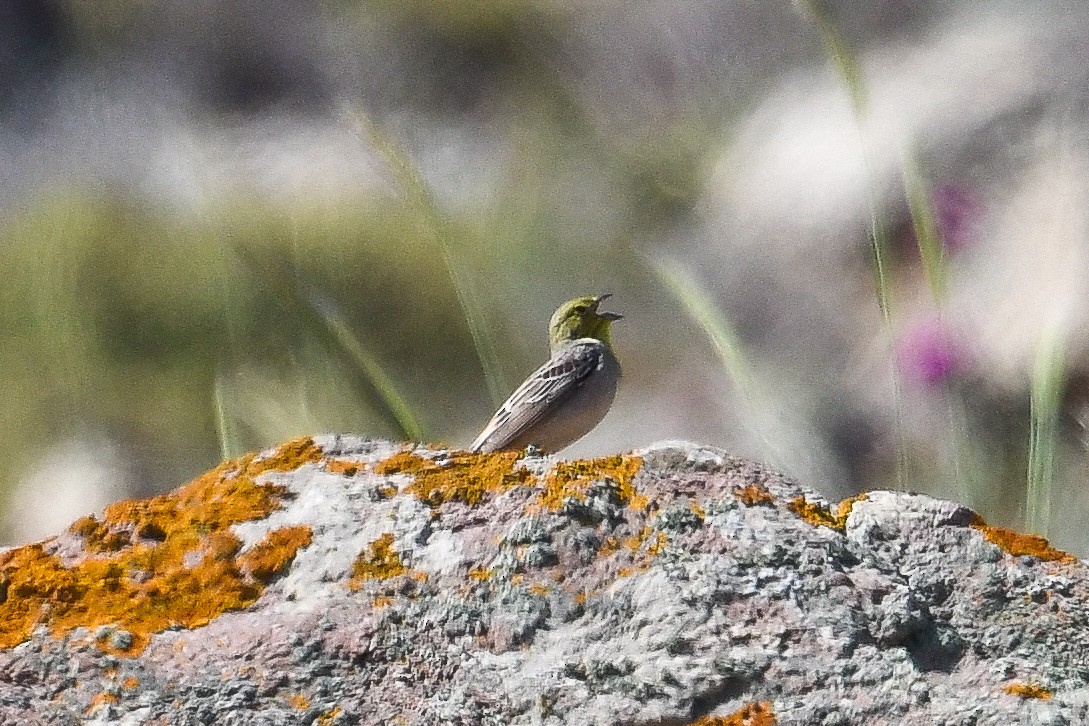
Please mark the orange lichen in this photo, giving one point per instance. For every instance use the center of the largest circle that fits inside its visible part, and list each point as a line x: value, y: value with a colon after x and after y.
x: 289, y: 456
x: 101, y: 699
x: 1028, y: 690
x: 656, y: 547
x: 572, y: 479
x: 820, y: 516
x: 130, y: 682
x: 327, y: 718
x: 752, y: 495
x: 634, y: 542
x: 98, y: 537
x: 380, y: 562
x: 609, y: 546
x: 644, y: 548
x: 299, y: 702
x: 106, y: 644
x: 846, y: 506
x: 463, y: 477
x: 538, y: 588
x: 275, y: 552
x: 156, y: 563
x: 340, y: 466
x: 752, y: 714
x: 480, y: 574
x: 1018, y: 544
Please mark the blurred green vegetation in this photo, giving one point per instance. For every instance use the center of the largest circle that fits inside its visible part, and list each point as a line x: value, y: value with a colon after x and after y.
x: 473, y: 21
x: 95, y: 26
x: 189, y: 336
x: 117, y: 317
x: 967, y: 470
x: 403, y: 311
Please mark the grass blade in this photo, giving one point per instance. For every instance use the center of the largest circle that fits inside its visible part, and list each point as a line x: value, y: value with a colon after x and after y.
x: 382, y: 383
x: 931, y: 249
x: 411, y: 182
x: 713, y: 323
x: 229, y: 447
x: 849, y: 71
x: 1048, y: 377
x: 319, y: 316
x: 700, y: 307
x: 844, y: 59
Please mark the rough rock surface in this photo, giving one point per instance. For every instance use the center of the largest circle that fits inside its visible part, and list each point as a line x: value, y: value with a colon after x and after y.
x: 339, y: 580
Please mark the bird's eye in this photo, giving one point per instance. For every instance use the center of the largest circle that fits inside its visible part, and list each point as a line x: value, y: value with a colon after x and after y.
x: 580, y: 309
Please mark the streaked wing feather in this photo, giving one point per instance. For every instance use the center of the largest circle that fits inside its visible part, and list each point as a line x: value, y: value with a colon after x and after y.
x: 545, y: 389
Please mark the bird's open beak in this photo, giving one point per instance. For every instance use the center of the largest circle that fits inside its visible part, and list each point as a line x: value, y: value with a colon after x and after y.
x: 604, y: 315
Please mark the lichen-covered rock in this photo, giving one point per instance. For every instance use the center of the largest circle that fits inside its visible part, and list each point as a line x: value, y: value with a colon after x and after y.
x: 339, y: 580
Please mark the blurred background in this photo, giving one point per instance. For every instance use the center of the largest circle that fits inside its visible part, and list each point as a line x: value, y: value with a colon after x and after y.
x: 848, y: 239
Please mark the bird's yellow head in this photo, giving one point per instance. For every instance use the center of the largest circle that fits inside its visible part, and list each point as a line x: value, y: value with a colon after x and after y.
x: 580, y: 318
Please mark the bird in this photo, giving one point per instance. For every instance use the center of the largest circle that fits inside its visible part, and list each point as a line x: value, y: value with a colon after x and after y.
x: 566, y: 397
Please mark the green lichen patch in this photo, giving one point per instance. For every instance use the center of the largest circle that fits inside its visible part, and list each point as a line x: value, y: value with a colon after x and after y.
x: 463, y: 477
x: 1017, y: 544
x: 572, y: 479
x: 155, y: 563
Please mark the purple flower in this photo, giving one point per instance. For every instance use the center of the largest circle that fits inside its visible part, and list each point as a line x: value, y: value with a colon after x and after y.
x: 930, y: 353
x: 956, y: 212
x: 956, y: 209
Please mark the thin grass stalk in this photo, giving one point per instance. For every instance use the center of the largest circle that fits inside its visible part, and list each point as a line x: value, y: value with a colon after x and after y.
x: 919, y: 194
x: 411, y: 181
x: 969, y: 484
x: 319, y: 316
x: 382, y: 383
x: 931, y: 250
x: 702, y: 310
x: 1048, y: 376
x: 849, y: 71
x: 844, y: 59
x: 229, y: 446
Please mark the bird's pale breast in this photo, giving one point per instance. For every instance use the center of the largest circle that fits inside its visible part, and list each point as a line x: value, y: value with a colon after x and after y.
x: 569, y: 417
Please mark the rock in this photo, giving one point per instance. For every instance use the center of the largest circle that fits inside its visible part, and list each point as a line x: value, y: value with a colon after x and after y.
x: 340, y: 580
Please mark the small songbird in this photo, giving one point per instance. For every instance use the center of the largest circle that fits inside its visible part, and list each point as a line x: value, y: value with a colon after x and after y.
x: 569, y: 395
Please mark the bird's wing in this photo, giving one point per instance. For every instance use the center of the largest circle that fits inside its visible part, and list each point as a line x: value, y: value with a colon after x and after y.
x: 545, y: 389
